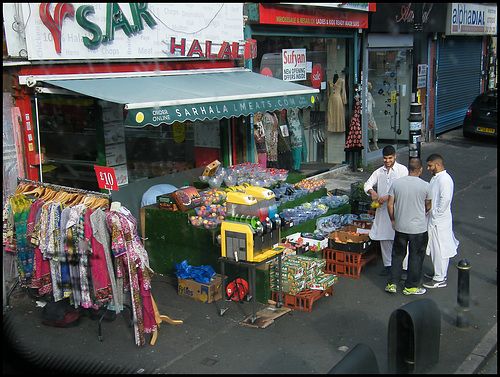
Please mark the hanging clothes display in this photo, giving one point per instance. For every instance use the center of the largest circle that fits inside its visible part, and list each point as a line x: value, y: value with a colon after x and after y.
x: 133, y: 262
x: 335, y: 119
x: 354, y: 139
x: 260, y: 139
x: 285, y: 159
x: 296, y: 131
x: 270, y: 122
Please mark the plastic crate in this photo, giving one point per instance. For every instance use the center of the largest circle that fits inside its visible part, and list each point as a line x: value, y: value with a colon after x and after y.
x: 339, y: 192
x: 358, y: 207
x: 344, y: 263
x: 304, y: 300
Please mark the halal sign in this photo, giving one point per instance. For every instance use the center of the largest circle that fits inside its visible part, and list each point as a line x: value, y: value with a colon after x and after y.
x: 316, y: 76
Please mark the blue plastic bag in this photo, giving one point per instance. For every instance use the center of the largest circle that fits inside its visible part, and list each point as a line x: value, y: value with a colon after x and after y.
x: 202, y: 274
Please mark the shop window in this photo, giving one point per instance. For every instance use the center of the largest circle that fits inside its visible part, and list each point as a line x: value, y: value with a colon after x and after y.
x: 69, y: 141
x: 157, y: 151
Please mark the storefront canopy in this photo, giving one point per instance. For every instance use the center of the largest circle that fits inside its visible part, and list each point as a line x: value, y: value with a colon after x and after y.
x: 192, y: 95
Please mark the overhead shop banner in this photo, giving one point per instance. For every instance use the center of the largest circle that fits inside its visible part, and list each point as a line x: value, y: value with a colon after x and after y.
x: 191, y: 95
x: 283, y: 15
x: 471, y: 19
x: 216, y: 109
x: 69, y: 31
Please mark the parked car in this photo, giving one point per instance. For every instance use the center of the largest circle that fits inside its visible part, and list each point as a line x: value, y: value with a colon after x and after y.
x: 481, y: 117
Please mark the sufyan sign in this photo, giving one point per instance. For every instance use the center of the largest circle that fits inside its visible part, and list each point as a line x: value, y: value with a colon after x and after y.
x: 294, y: 64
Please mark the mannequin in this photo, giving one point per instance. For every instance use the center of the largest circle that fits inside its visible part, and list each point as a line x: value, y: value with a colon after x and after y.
x: 372, y: 125
x: 335, y: 119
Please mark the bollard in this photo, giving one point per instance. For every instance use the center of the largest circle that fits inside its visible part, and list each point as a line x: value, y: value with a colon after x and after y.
x: 360, y: 360
x: 413, y: 337
x: 463, y: 293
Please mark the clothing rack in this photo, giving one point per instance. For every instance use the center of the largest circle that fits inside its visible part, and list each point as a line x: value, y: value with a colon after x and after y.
x: 106, y: 196
x: 63, y: 188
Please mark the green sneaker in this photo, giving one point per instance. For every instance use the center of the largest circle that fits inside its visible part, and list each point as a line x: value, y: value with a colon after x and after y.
x: 414, y: 291
x: 391, y: 288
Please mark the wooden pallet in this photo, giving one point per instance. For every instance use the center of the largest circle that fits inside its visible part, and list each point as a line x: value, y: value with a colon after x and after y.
x: 266, y: 316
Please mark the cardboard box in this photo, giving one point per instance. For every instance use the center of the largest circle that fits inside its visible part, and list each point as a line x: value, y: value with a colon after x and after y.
x: 187, y: 198
x: 167, y: 202
x: 207, y: 293
x: 323, y: 244
x: 349, y: 242
x: 211, y: 168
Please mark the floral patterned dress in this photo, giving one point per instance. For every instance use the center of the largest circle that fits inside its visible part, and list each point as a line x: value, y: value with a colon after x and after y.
x: 133, y: 261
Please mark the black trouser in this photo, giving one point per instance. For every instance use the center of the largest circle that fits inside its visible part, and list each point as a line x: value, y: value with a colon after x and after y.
x: 418, y: 244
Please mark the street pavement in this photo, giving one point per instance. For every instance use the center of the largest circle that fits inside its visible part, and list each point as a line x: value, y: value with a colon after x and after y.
x: 299, y: 341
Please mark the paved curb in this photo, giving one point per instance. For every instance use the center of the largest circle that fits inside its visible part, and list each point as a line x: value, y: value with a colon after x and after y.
x: 332, y: 172
x: 479, y: 356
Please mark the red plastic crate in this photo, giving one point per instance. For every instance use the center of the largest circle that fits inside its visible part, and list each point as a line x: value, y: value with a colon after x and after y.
x: 344, y: 263
x: 303, y: 300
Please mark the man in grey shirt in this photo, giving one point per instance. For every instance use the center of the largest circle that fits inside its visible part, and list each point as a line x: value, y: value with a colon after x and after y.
x: 408, y: 204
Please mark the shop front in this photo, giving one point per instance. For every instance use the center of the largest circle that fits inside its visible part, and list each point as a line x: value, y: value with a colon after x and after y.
x: 463, y: 63
x: 392, y: 79
x: 328, y: 38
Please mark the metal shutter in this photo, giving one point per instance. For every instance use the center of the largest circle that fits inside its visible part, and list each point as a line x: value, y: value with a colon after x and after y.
x: 458, y: 81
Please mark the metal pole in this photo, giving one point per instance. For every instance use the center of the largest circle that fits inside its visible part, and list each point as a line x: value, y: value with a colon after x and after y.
x: 463, y: 293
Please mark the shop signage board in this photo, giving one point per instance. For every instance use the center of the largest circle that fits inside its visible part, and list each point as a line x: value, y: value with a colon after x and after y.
x: 421, y: 76
x: 471, y: 19
x: 294, y: 64
x: 282, y: 15
x: 127, y: 30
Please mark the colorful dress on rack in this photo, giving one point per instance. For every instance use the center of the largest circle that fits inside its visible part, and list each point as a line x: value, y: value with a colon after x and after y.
x: 270, y: 122
x: 134, y: 262
x: 21, y: 205
x: 354, y: 141
x: 101, y: 259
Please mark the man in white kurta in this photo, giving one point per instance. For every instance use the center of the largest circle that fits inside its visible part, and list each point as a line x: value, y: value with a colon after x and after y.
x: 442, y: 243
x: 381, y: 229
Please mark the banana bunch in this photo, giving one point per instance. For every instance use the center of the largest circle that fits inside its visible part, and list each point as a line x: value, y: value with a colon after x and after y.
x: 239, y: 188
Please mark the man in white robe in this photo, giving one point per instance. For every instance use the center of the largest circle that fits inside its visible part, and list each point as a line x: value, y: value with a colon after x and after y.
x: 442, y: 243
x: 381, y: 229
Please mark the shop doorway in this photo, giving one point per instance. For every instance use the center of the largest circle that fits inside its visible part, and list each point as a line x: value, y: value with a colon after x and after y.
x: 389, y: 85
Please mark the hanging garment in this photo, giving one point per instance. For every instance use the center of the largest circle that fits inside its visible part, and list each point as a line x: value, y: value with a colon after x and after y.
x: 335, y: 118
x: 101, y: 259
x: 354, y: 142
x: 271, y: 135
x: 260, y: 139
x: 370, y: 104
x: 21, y: 206
x: 134, y: 263
x: 296, y: 128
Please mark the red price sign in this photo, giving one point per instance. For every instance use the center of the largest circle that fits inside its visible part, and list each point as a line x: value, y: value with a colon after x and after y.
x: 106, y: 178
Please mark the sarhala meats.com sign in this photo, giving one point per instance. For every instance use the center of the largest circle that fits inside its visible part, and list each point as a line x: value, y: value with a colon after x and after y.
x: 294, y: 64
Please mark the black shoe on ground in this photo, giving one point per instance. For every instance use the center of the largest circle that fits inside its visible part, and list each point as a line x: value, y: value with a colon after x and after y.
x: 386, y: 271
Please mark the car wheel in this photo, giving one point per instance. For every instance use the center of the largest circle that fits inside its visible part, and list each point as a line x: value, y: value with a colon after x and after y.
x: 467, y: 134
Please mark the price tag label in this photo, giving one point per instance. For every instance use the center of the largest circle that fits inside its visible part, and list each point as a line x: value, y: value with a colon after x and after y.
x: 106, y: 178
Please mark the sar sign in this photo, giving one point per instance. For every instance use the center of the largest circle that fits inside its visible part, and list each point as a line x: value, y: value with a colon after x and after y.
x: 294, y: 64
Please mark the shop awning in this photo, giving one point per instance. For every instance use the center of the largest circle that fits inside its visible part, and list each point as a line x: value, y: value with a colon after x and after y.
x: 193, y: 95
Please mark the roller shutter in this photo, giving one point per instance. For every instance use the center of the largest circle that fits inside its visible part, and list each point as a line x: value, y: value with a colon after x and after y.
x: 458, y: 81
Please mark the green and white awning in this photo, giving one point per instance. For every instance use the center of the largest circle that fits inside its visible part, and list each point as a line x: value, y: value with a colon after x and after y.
x: 193, y: 95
